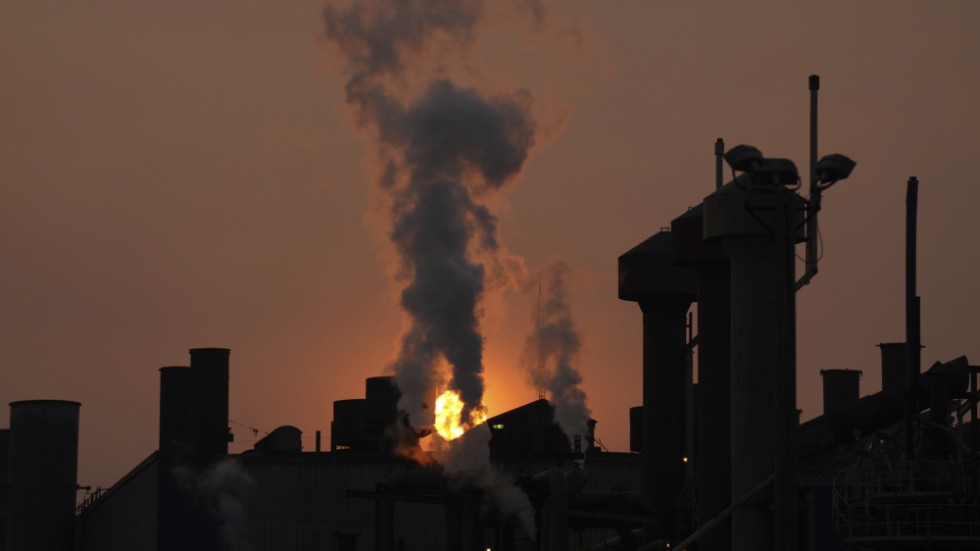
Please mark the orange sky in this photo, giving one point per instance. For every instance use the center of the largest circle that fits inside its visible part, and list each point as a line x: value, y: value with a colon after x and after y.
x: 187, y: 175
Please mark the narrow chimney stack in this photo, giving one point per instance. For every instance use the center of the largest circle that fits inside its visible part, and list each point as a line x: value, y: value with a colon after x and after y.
x: 209, y: 401
x: 893, y: 358
x: 175, y: 414
x: 840, y: 388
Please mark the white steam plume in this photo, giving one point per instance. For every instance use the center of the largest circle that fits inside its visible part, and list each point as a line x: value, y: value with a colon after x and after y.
x: 466, y: 460
x: 222, y: 488
x: 556, y: 342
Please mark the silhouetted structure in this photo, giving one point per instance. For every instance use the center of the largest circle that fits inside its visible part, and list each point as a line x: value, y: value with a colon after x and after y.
x: 895, y: 469
x: 840, y: 388
x: 863, y: 474
x: 4, y: 482
x: 531, y: 431
x: 42, y: 475
x: 361, y: 495
x: 712, y: 424
x: 664, y: 292
x: 367, y: 424
x: 175, y: 413
x: 209, y: 402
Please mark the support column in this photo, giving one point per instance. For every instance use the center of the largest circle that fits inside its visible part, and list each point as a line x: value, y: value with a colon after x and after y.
x: 647, y: 275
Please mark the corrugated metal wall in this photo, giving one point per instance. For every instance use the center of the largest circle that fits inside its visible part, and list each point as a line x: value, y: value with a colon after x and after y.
x: 605, y: 471
x: 299, y: 502
x: 125, y: 518
x: 302, y: 505
x: 614, y: 471
x: 817, y: 530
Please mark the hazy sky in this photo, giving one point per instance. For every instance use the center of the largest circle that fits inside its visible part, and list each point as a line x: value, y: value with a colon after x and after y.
x: 187, y: 174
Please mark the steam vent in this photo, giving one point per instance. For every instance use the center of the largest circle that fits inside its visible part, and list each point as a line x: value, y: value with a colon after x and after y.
x: 718, y: 458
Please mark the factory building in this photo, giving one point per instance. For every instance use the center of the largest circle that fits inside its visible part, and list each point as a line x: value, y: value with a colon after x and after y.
x: 361, y: 494
x: 720, y: 464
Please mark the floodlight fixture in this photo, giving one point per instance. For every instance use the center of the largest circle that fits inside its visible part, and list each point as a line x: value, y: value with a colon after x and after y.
x: 831, y: 169
x: 744, y: 158
x: 778, y: 172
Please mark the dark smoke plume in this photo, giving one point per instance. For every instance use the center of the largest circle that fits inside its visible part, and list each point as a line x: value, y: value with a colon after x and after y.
x: 444, y: 150
x: 555, y: 343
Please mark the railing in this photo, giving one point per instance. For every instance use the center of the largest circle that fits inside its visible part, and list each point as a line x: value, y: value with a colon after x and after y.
x: 90, y: 498
x: 932, y: 501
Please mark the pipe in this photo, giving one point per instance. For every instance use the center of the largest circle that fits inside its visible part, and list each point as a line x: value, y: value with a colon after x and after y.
x: 973, y: 414
x: 785, y: 491
x: 722, y: 516
x: 617, y: 543
x: 912, y: 344
x: 688, y: 416
x: 812, y: 231
x: 838, y: 427
x: 719, y: 163
x: 4, y: 483
x: 814, y: 83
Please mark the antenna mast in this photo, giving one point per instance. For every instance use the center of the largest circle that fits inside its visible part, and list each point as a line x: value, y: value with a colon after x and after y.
x: 538, y: 325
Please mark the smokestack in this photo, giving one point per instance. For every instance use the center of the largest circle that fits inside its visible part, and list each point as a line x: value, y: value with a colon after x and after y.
x: 893, y: 357
x: 209, y: 401
x: 636, y: 429
x: 347, y: 427
x: 4, y: 484
x: 43, y: 472
x: 912, y: 315
x: 175, y: 414
x: 712, y: 463
x: 664, y: 292
x: 840, y: 388
x: 381, y: 411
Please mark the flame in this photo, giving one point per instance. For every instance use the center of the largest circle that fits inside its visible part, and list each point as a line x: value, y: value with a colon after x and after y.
x: 449, y: 409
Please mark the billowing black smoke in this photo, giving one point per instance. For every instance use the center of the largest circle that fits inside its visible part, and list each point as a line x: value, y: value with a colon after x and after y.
x: 445, y: 150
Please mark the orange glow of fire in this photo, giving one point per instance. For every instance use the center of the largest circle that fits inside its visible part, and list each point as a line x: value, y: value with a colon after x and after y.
x: 449, y: 409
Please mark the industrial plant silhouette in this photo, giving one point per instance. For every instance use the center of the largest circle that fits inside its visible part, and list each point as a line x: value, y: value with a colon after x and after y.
x: 715, y: 465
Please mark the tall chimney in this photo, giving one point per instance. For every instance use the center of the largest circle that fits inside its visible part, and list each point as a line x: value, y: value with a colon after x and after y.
x: 647, y: 275
x: 381, y: 397
x: 43, y: 472
x: 4, y: 484
x: 840, y: 388
x: 209, y: 401
x: 893, y: 358
x: 175, y: 413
